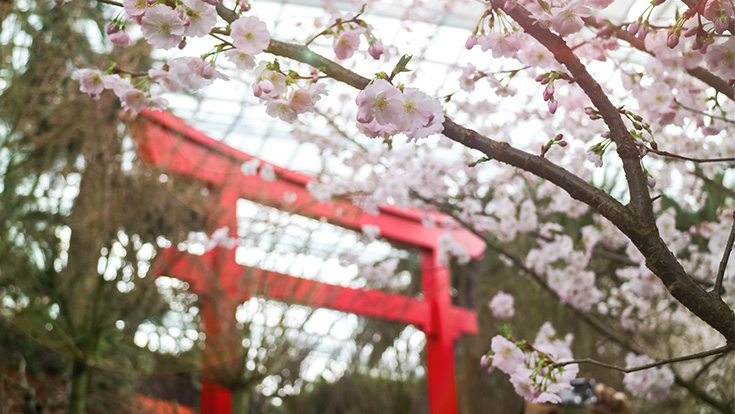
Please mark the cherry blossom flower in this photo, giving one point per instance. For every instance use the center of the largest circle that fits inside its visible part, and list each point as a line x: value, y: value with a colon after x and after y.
x: 241, y: 60
x: 202, y: 17
x: 250, y: 167
x: 380, y: 101
x: 250, y: 35
x: 507, y: 356
x: 166, y: 79
x: 162, y: 27
x: 568, y: 18
x: 90, y: 82
x: 468, y: 78
x: 501, y: 305
x: 347, y: 43
x: 281, y: 109
x: 135, y: 8
x: 721, y: 59
x: 134, y: 100
x: 267, y: 172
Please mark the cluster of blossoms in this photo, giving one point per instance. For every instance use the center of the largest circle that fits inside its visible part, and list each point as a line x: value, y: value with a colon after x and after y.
x: 347, y: 31
x: 501, y: 305
x: 532, y: 368
x: 653, y: 383
x: 195, y: 241
x: 384, y: 110
x: 271, y: 87
x: 448, y: 248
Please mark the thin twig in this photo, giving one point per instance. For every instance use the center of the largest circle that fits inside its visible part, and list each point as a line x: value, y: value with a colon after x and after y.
x: 721, y: 350
x: 112, y: 2
x: 706, y: 366
x: 696, y: 111
x: 685, y: 158
x: 725, y: 257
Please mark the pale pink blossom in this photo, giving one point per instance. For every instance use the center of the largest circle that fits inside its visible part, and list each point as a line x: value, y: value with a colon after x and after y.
x: 568, y: 18
x: 166, y: 79
x: 202, y: 17
x: 135, y: 8
x: 721, y: 59
x: 267, y: 172
x: 134, y: 100
x: 380, y: 101
x: 281, y: 109
x: 507, y: 356
x: 250, y: 35
x: 90, y: 82
x: 502, y: 44
x: 250, y: 167
x: 241, y: 60
x: 468, y: 78
x: 162, y: 27
x: 501, y: 305
x: 347, y: 43
x: 300, y: 100
x: 523, y: 385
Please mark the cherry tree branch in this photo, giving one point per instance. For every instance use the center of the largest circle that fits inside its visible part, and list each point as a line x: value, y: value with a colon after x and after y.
x: 721, y: 350
x: 640, y: 199
x: 596, y: 324
x: 725, y: 257
x: 641, y: 230
x: 685, y: 158
x: 712, y: 80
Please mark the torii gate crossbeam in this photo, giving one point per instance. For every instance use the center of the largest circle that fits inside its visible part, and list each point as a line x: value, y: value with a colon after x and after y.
x: 168, y: 144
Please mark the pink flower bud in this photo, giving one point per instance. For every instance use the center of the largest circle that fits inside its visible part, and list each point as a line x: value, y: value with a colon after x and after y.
x: 376, y: 50
x: 151, y: 2
x: 721, y: 25
x: 672, y: 41
x: 257, y: 90
x: 470, y: 43
x: 562, y: 144
x: 244, y: 5
x: 509, y: 5
x: 642, y: 33
x: 120, y: 38
x: 633, y: 28
x: 182, y: 44
x: 187, y: 21
x: 553, y: 105
x: 112, y: 28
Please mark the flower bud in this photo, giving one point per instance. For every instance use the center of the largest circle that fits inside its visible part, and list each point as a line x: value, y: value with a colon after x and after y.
x: 470, y: 43
x: 112, y: 28
x: 553, y: 105
x: 509, y: 5
x: 633, y: 28
x: 376, y: 50
x: 673, y: 40
x: 562, y: 144
x: 182, y: 44
x: 642, y: 33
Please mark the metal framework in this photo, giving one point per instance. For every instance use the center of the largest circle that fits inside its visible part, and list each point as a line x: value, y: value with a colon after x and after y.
x: 167, y: 144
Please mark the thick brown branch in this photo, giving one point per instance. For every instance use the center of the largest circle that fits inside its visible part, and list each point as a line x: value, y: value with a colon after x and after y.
x: 641, y: 231
x: 637, y: 183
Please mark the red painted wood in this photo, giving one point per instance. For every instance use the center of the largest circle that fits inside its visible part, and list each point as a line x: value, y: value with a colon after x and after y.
x: 168, y: 144
x: 243, y: 282
x: 165, y: 142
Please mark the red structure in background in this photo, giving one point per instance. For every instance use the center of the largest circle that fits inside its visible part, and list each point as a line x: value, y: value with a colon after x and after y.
x: 169, y: 145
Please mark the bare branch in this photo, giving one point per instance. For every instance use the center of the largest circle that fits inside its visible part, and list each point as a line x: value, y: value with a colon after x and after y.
x: 725, y: 257
x: 685, y: 158
x: 721, y: 350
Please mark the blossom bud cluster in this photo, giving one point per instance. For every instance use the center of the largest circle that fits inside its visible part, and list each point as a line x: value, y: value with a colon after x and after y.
x: 384, y: 110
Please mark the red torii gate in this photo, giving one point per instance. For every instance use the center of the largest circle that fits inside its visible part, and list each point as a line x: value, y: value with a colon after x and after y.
x: 167, y: 143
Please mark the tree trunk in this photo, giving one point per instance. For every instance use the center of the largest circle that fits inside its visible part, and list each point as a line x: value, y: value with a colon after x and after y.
x: 80, y: 375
